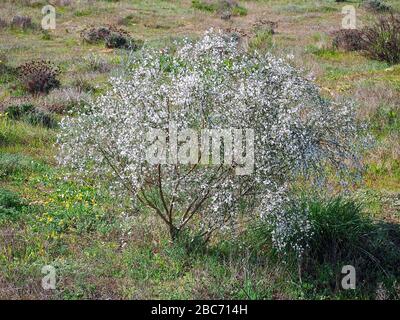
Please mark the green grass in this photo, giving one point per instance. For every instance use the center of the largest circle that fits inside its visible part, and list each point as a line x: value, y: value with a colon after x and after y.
x: 213, y: 7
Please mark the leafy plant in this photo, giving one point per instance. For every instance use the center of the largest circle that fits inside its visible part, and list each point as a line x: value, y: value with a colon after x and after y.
x: 39, y: 76
x: 323, y: 235
x: 10, y: 204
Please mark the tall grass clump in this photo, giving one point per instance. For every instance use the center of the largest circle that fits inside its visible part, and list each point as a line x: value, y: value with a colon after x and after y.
x: 12, y: 164
x: 382, y: 39
x: 338, y: 233
x: 17, y: 133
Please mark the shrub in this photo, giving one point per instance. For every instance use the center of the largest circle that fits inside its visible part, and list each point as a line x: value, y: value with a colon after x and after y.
x: 10, y: 204
x: 376, y: 6
x: 39, y: 76
x: 382, y: 40
x: 209, y: 84
x: 112, y: 36
x: 94, y: 35
x: 348, y: 40
x: 21, y: 22
x: 31, y: 115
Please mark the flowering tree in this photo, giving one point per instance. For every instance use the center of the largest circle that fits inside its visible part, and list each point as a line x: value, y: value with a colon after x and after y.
x: 209, y: 84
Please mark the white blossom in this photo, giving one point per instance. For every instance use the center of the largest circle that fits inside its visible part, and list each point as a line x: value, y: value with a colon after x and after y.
x: 211, y: 83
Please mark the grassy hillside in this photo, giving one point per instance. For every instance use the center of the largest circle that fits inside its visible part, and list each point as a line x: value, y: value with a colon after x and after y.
x: 103, y: 251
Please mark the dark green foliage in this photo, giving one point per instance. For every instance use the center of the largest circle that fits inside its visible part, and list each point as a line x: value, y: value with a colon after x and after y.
x: 18, y: 111
x: 343, y: 235
x: 31, y: 115
x: 10, y: 204
x: 118, y: 40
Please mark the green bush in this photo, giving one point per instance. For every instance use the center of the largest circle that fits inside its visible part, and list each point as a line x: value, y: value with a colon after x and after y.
x: 30, y: 114
x: 120, y: 41
x: 10, y: 204
x: 339, y: 227
x: 204, y: 6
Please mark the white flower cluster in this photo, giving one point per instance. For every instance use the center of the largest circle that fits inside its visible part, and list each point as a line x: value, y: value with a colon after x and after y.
x: 289, y: 221
x: 212, y: 83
